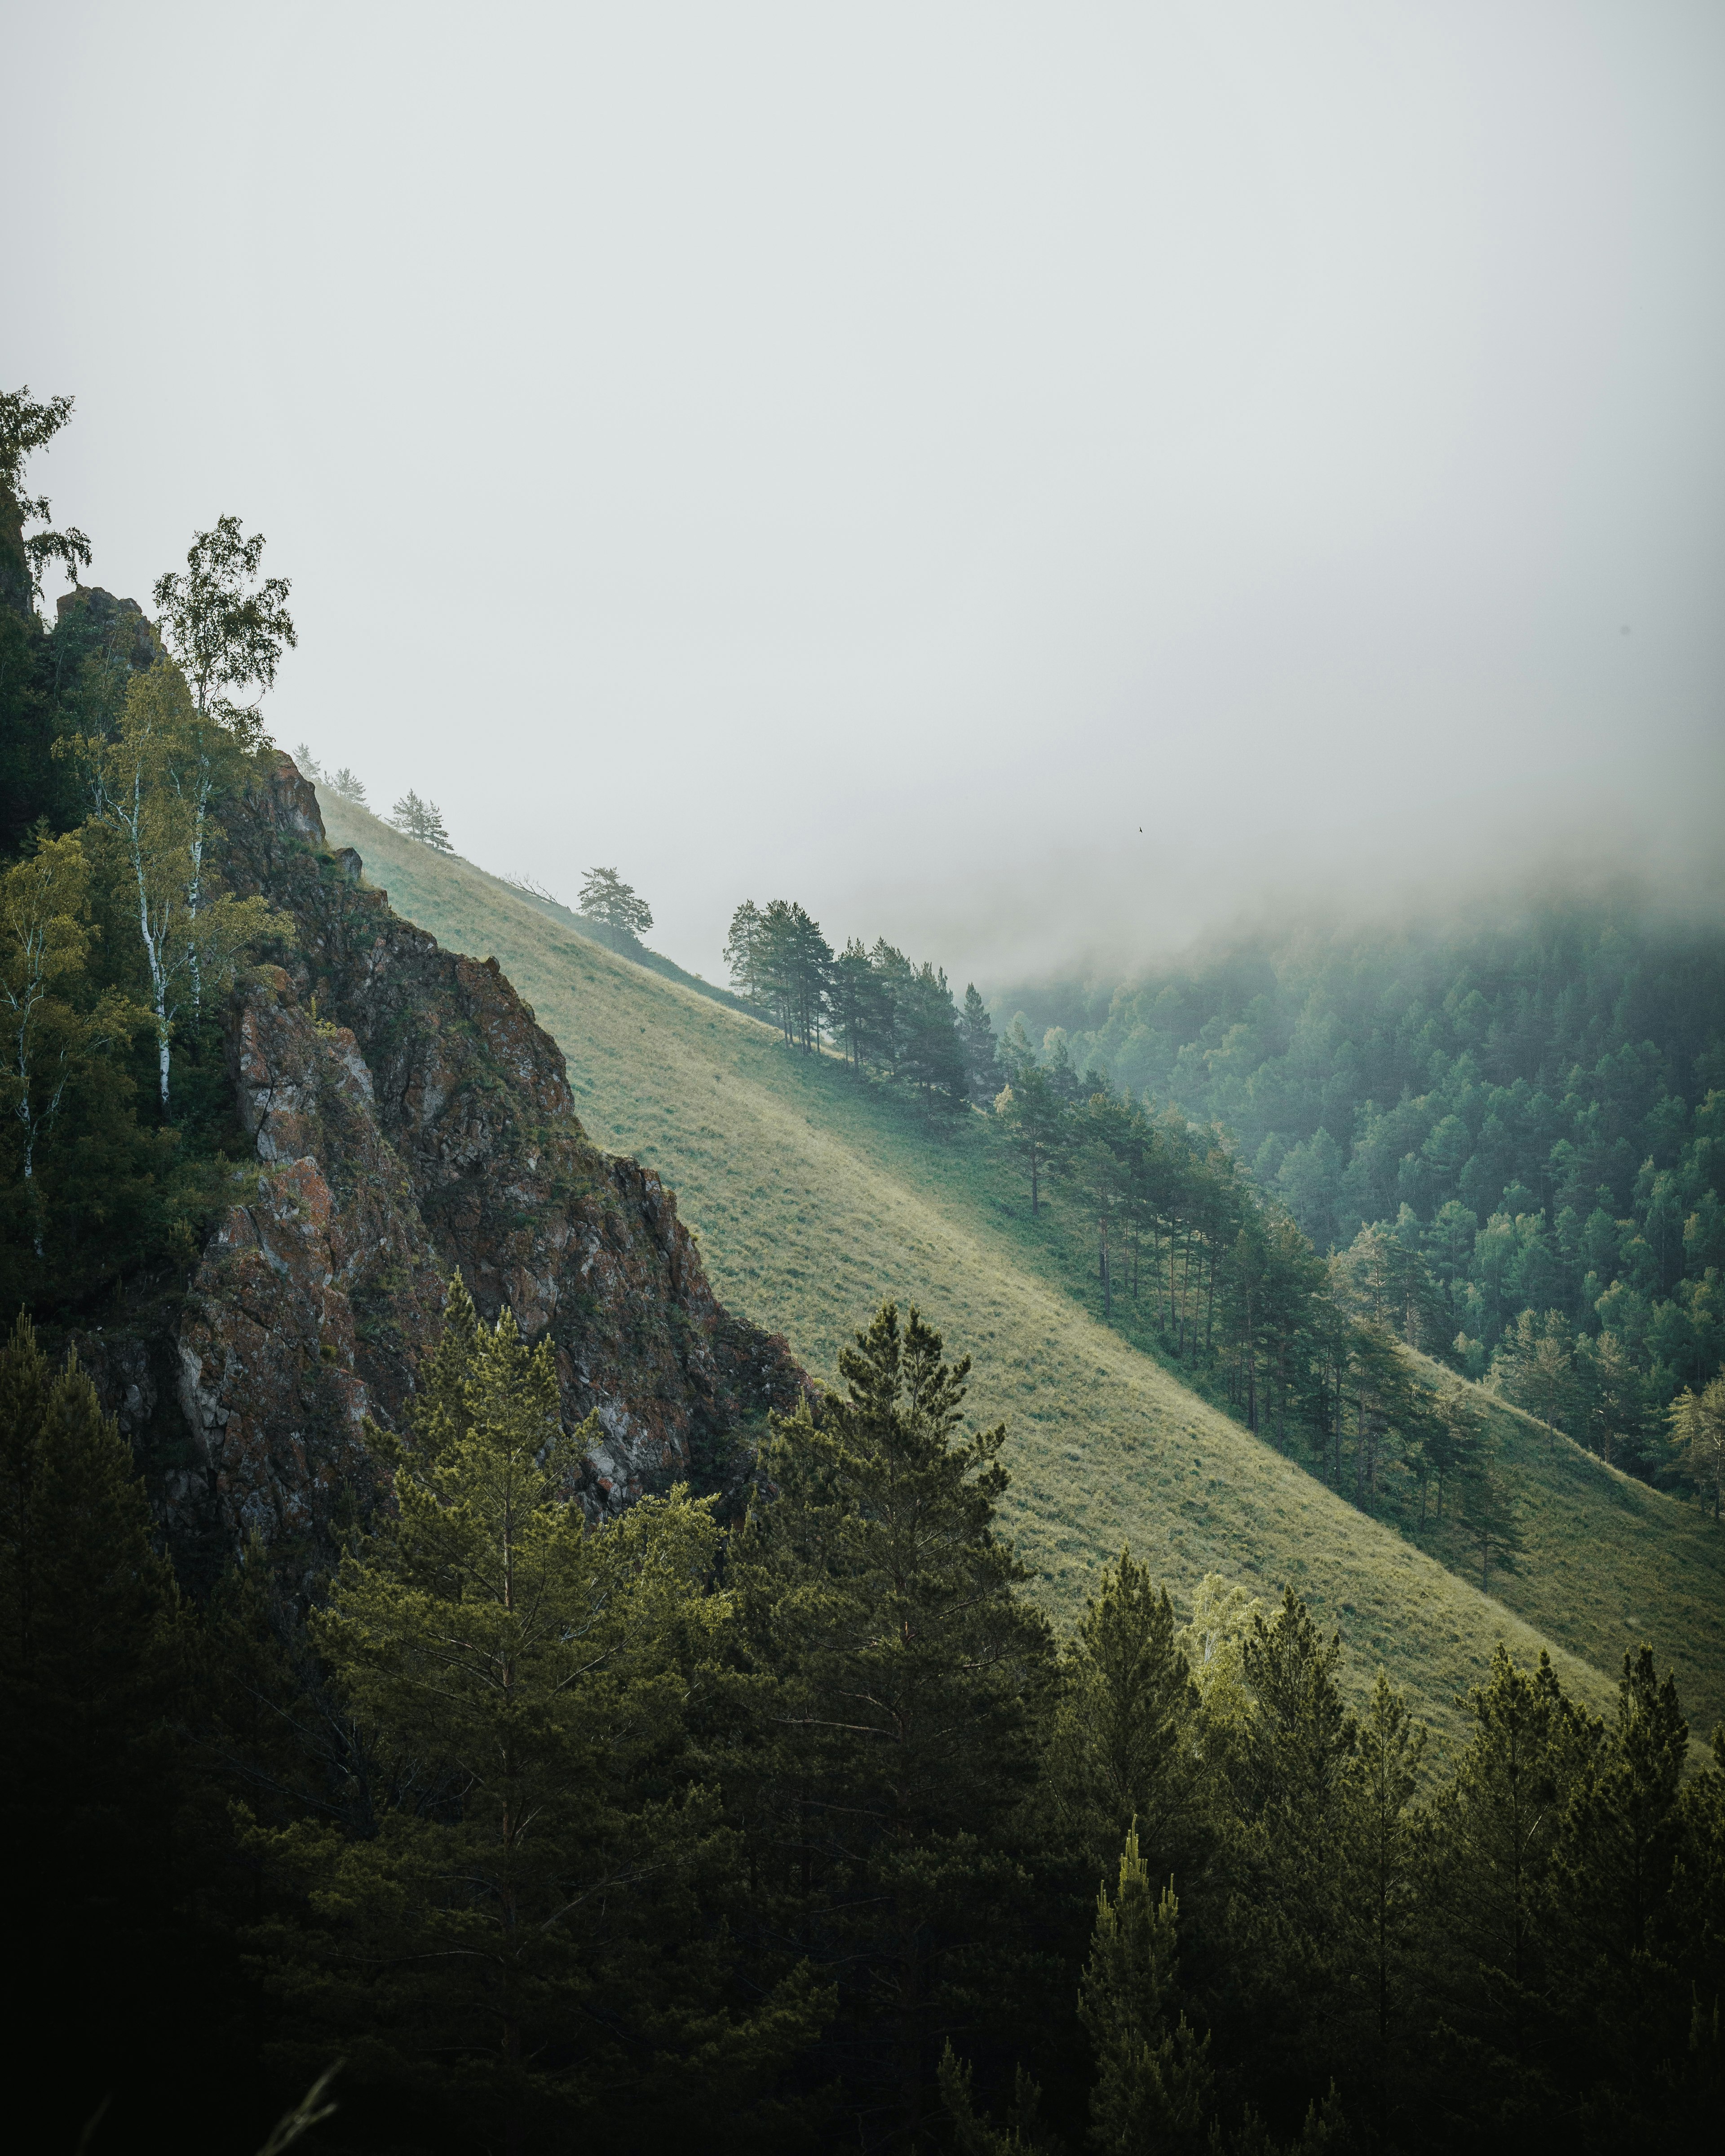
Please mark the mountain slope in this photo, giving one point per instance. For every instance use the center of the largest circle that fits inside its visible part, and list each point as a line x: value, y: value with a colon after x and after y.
x: 813, y: 1198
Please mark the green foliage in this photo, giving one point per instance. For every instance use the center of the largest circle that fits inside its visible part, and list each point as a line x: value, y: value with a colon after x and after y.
x: 1153, y: 2079
x: 28, y: 424
x: 528, y: 1903
x: 154, y: 784
x: 1529, y: 1109
x: 814, y: 1195
x: 421, y: 820
x: 1697, y: 1421
x: 1128, y: 1752
x: 604, y: 896
x: 894, y: 1668
x: 227, y: 626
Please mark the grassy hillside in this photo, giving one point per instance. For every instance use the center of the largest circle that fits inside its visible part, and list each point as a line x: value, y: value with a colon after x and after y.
x: 813, y: 1198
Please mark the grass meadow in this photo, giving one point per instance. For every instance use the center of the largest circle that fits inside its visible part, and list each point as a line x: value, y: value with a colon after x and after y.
x: 814, y: 1196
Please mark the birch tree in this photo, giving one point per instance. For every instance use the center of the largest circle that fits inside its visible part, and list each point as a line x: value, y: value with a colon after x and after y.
x: 227, y: 625
x: 151, y: 783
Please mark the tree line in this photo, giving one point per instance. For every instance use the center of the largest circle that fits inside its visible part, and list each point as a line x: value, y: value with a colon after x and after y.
x: 884, y: 1013
x: 802, y: 1829
x: 1193, y: 1248
x: 1536, y: 1106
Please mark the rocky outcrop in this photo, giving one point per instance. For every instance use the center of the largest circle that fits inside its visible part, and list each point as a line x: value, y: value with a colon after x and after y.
x: 129, y: 633
x: 408, y: 1117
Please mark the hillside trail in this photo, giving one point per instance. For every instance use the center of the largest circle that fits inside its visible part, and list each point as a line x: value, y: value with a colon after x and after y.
x: 813, y: 1199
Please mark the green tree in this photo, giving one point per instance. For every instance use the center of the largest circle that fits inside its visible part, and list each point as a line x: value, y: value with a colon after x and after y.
x: 1290, y: 1926
x: 1023, y: 2134
x: 1534, y: 1367
x: 1384, y: 1860
x: 50, y: 1029
x: 1125, y: 1751
x: 1490, y: 1516
x: 509, y: 1914
x: 148, y: 783
x: 894, y: 1663
x: 982, y: 1057
x: 27, y: 425
x: 226, y: 625
x: 1697, y: 1421
x: 1034, y: 1119
x: 423, y: 821
x: 604, y: 896
x: 1154, y: 2080
x: 1498, y: 1825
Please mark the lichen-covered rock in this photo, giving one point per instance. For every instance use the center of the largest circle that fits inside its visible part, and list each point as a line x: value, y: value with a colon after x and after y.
x: 409, y: 1116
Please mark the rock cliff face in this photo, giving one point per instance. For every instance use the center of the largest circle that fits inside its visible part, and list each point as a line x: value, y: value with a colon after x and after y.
x: 409, y: 1116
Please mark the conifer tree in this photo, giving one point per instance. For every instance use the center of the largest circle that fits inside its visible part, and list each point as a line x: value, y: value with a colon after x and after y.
x: 1290, y: 1929
x: 1498, y: 1823
x: 1153, y: 2079
x: 1697, y: 1421
x: 49, y: 1027
x: 894, y: 1662
x: 982, y: 1058
x: 421, y: 820
x: 530, y: 1680
x: 1124, y: 1753
x: 1035, y: 1122
x: 1617, y: 1855
x: 1489, y: 1512
x: 1383, y: 1857
x: 605, y: 896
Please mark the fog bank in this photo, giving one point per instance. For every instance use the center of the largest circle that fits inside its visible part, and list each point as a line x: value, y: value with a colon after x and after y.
x: 1034, y: 483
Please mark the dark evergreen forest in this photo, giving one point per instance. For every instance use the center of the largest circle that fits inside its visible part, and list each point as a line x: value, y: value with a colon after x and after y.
x: 800, y: 1830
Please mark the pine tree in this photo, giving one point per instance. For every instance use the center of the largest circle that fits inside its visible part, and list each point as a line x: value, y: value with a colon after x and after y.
x: 1498, y: 1824
x: 526, y: 1908
x: 1124, y: 1751
x: 1489, y: 1512
x: 982, y: 1058
x: 1035, y: 1122
x: 1620, y: 1850
x: 1290, y: 1926
x: 1384, y: 1857
x: 421, y: 820
x: 1023, y: 2134
x: 894, y: 1661
x: 1697, y: 1421
x: 605, y: 897
x: 1154, y: 2080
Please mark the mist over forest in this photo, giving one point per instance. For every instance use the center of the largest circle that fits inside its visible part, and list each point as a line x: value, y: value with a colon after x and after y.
x: 862, y: 1160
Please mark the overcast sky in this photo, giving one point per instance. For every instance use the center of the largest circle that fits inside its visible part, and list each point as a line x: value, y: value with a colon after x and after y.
x: 887, y: 455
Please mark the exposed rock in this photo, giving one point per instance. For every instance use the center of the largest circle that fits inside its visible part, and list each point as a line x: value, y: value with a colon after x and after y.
x: 409, y: 1116
x: 132, y: 631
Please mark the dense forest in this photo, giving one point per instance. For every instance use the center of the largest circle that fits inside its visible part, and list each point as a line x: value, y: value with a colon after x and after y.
x: 1534, y: 1108
x: 1612, y: 1329
x: 802, y: 1830
x: 776, y: 1816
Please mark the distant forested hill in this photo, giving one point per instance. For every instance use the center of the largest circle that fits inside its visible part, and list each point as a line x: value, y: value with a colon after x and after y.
x: 1536, y: 1106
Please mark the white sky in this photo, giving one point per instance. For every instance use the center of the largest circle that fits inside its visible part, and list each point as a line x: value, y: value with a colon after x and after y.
x: 886, y: 455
